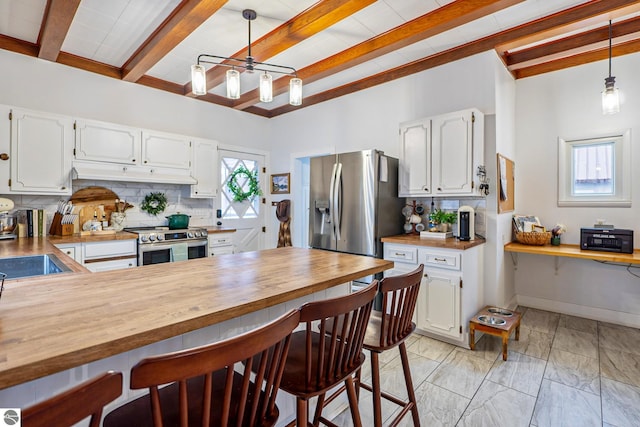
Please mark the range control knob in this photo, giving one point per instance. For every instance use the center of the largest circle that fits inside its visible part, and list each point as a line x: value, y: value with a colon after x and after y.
x: 152, y: 237
x: 190, y: 235
x: 160, y: 237
x: 144, y: 238
x: 197, y: 234
x: 204, y: 233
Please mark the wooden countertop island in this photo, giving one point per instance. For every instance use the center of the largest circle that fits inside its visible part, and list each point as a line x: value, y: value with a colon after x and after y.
x: 47, y: 326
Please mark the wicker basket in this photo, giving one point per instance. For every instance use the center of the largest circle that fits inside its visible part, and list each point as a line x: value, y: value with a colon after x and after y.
x: 534, y: 238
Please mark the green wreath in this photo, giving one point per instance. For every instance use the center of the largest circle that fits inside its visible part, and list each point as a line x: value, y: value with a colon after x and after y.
x: 239, y: 195
x: 154, y: 203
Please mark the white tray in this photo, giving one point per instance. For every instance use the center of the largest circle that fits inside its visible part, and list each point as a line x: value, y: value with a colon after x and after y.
x: 435, y: 235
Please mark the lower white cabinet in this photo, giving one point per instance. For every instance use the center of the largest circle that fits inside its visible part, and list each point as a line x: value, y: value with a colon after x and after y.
x: 451, y: 288
x: 104, y: 255
x: 220, y: 244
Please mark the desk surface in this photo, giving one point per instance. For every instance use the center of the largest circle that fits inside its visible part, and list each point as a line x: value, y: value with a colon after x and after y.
x: 47, y: 326
x: 573, y: 251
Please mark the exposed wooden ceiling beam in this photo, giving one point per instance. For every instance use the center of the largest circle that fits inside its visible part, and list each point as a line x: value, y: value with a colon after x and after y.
x: 587, y: 10
x: 188, y: 16
x: 632, y: 46
x: 55, y: 26
x: 575, y: 44
x: 89, y: 65
x: 574, y: 18
x: 18, y: 46
x: 316, y: 18
x: 442, y: 19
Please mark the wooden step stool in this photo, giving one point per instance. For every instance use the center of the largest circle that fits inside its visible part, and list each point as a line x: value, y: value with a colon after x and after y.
x: 489, y: 320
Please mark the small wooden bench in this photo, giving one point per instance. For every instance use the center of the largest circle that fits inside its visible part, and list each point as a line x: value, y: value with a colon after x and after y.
x: 489, y: 320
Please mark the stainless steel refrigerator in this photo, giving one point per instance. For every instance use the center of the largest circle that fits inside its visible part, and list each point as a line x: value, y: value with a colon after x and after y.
x: 354, y: 202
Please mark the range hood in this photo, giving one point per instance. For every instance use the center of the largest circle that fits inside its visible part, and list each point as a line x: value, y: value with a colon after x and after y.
x: 117, y: 172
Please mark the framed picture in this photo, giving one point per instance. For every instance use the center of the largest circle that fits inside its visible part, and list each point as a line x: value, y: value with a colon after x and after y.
x: 280, y: 183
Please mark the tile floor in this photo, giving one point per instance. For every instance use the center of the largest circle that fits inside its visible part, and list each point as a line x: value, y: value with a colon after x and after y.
x: 564, y: 371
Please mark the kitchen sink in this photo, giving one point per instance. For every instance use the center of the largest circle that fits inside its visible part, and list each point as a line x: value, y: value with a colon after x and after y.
x: 32, y: 265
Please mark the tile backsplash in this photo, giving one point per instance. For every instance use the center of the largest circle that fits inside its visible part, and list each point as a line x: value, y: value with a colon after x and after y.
x: 451, y: 205
x: 178, y: 200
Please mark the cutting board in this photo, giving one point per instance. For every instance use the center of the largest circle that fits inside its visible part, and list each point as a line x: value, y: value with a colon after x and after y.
x: 93, y: 199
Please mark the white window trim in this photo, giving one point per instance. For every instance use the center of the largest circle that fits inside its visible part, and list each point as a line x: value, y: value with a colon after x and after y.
x: 622, y: 190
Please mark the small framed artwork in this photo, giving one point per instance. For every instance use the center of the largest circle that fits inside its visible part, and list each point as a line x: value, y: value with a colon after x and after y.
x: 280, y: 183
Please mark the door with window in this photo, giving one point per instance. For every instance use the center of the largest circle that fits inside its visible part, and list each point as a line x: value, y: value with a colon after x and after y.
x: 247, y: 217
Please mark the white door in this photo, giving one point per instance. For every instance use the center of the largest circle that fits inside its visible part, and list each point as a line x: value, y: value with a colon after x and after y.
x: 247, y: 217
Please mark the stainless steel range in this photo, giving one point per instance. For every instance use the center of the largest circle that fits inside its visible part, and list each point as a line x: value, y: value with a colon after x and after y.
x: 159, y: 244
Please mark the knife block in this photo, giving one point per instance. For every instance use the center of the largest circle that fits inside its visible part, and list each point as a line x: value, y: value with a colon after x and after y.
x: 58, y: 228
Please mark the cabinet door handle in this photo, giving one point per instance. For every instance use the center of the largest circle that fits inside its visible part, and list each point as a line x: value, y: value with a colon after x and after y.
x: 398, y: 254
x: 425, y: 188
x: 4, y: 156
x: 439, y: 189
x: 440, y: 259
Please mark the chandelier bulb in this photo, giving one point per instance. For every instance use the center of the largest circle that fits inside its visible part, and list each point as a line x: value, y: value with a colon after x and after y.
x: 198, y: 80
x: 233, y: 84
x: 266, y: 87
x: 295, y: 91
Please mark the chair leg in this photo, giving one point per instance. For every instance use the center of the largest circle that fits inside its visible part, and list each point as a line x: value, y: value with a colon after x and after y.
x: 353, y: 402
x: 409, y: 384
x: 358, y: 381
x: 302, y: 412
x: 318, y: 411
x: 375, y: 383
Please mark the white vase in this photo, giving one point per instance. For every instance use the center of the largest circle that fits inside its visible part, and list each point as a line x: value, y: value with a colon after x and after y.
x: 117, y: 220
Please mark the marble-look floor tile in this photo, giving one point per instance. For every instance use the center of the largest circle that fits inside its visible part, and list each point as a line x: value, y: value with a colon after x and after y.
x: 430, y: 348
x: 461, y: 373
x: 561, y: 405
x: 620, y: 366
x: 578, y: 323
x: 620, y: 403
x: 497, y: 405
x: 392, y: 375
x: 437, y: 407
x: 365, y: 406
x: 622, y: 338
x: 573, y: 341
x: 487, y: 347
x: 519, y: 372
x: 574, y: 370
x: 540, y: 320
x: 532, y: 343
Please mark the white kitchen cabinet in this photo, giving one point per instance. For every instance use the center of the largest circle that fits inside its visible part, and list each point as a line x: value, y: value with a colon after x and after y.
x: 438, y: 155
x: 104, y: 255
x: 166, y: 150
x: 5, y: 149
x: 107, y: 142
x: 41, y: 152
x: 205, y: 168
x: 451, y: 288
x: 116, y: 264
x: 415, y: 155
x: 220, y: 243
x: 74, y: 250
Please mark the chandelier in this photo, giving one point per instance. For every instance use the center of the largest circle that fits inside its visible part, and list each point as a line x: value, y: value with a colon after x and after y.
x: 199, y: 74
x: 610, y: 94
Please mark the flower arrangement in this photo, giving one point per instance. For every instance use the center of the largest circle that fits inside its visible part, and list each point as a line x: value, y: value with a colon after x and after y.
x: 558, y: 230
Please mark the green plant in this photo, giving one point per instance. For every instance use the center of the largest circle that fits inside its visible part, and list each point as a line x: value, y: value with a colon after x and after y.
x: 154, y: 203
x: 237, y: 189
x: 441, y: 217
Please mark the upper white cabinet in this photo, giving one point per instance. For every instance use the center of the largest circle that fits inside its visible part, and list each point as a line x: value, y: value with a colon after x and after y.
x: 107, y: 142
x: 204, y: 165
x: 166, y: 150
x: 41, y: 152
x: 438, y: 155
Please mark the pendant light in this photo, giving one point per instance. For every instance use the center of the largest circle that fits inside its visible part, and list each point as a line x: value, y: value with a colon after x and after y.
x: 199, y: 75
x: 610, y: 94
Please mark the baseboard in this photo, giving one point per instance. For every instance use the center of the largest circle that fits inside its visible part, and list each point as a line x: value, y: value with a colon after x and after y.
x: 594, y: 313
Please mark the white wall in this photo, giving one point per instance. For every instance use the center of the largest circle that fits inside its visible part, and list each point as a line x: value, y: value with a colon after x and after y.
x: 567, y: 104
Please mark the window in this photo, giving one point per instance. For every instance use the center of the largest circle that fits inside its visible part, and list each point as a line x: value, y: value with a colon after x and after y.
x: 595, y: 171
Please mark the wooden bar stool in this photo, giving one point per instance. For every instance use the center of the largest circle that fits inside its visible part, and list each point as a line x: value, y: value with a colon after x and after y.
x: 205, y: 389
x: 323, y: 356
x: 74, y: 405
x: 390, y: 328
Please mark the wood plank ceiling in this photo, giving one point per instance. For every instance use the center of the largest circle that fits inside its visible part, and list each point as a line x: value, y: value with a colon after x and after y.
x: 448, y: 31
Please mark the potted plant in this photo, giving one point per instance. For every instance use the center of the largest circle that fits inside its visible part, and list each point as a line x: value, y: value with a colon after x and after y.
x: 442, y: 220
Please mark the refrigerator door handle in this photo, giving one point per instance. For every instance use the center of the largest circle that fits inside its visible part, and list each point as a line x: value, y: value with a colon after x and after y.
x: 331, y: 196
x: 336, y: 203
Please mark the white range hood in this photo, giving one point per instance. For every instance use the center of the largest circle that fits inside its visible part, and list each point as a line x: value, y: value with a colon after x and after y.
x: 118, y: 172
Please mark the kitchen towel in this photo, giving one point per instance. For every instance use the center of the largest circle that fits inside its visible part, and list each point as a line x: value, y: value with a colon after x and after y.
x: 179, y: 252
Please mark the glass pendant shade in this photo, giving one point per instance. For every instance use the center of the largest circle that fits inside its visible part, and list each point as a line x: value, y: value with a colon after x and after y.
x: 266, y: 88
x: 610, y: 97
x: 295, y: 91
x: 198, y: 80
x: 233, y: 84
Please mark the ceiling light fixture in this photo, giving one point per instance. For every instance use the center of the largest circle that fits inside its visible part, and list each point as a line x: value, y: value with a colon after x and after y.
x: 610, y: 94
x: 199, y: 73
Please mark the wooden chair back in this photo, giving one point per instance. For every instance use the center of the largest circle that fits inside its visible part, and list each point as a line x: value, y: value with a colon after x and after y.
x: 399, y: 299
x: 74, y: 405
x: 266, y: 347
x: 335, y: 352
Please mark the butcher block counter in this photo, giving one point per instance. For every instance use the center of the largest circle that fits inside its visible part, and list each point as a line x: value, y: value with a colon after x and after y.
x: 416, y: 240
x: 70, y: 320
